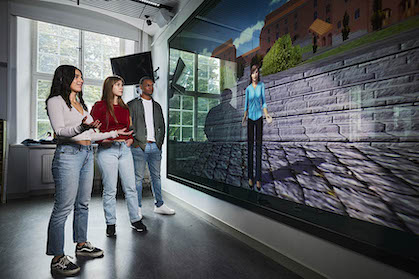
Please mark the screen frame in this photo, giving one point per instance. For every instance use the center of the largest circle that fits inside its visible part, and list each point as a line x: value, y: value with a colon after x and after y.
x: 359, y: 236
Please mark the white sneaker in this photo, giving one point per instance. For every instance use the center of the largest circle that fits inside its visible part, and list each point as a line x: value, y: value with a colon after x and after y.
x: 164, y: 210
x: 140, y: 213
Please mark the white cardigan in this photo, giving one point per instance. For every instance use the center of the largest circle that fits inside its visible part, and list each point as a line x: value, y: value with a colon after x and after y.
x: 66, y: 123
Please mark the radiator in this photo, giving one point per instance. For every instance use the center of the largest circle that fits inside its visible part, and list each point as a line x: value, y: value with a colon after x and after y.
x: 46, y: 168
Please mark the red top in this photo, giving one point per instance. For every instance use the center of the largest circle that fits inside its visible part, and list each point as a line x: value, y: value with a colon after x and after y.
x: 100, y: 112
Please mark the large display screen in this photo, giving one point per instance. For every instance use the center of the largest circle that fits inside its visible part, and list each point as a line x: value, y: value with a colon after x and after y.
x: 340, y: 81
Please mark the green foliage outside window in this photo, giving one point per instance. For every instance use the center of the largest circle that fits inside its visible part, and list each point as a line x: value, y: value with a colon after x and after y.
x: 282, y: 55
x: 228, y: 75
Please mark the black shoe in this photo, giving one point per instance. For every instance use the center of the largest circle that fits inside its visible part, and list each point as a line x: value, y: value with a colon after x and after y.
x: 63, y: 266
x: 88, y: 250
x: 110, y: 231
x: 138, y: 226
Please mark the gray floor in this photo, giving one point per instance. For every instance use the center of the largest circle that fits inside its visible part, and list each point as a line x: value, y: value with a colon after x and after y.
x: 179, y: 246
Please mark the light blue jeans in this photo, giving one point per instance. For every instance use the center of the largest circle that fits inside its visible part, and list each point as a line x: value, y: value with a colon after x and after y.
x: 72, y: 169
x: 113, y: 160
x: 152, y: 156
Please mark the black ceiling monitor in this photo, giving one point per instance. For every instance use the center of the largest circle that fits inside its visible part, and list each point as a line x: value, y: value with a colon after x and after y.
x: 133, y: 67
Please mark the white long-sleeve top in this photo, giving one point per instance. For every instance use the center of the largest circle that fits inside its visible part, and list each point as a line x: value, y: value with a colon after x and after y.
x: 66, y: 123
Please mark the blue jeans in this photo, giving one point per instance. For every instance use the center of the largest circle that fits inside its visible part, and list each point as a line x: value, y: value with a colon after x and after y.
x: 111, y: 160
x: 72, y: 169
x: 152, y: 156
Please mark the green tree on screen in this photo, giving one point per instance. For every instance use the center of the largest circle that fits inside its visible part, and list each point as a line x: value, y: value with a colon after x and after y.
x: 282, y: 55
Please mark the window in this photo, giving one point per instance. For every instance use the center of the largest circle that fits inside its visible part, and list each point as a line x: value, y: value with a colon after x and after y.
x: 339, y: 24
x: 277, y: 35
x: 268, y: 31
x: 327, y: 8
x: 286, y: 21
x: 357, y: 13
x: 286, y: 30
x: 57, y: 45
x: 295, y: 26
x: 328, y: 19
x: 202, y: 81
x: 208, y: 75
x: 295, y: 15
x: 269, y: 39
x: 315, y: 3
x: 181, y: 118
x: 315, y: 15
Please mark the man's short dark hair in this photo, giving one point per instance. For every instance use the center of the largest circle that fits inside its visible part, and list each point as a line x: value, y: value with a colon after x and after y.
x: 143, y: 79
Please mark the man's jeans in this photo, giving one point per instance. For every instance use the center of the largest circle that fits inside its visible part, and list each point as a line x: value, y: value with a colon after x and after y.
x: 151, y: 156
x: 72, y: 169
x: 111, y: 160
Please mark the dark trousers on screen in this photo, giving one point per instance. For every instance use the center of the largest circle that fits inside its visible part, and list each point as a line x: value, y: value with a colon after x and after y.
x: 254, y: 133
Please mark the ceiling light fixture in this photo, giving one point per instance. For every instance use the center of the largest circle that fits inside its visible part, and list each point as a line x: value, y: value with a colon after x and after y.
x: 153, y: 4
x: 157, y: 5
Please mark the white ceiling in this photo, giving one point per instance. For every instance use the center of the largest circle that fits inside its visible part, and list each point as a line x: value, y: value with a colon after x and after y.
x: 129, y: 11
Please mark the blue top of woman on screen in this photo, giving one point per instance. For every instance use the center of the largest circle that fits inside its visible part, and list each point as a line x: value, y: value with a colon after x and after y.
x: 255, y: 100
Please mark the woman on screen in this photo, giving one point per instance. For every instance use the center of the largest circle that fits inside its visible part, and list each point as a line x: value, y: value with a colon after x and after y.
x: 114, y: 156
x: 72, y: 166
x: 254, y: 105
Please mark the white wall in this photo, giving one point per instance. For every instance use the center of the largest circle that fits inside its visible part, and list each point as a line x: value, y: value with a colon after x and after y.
x: 24, y: 79
x: 317, y: 254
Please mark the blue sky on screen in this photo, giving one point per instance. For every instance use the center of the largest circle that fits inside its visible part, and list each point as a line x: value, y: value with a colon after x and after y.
x: 241, y: 20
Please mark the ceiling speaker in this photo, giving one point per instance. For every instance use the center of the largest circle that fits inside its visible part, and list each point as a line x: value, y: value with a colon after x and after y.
x: 163, y: 17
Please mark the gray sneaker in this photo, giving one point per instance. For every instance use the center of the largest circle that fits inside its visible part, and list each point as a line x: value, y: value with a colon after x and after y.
x: 88, y: 250
x: 64, y: 266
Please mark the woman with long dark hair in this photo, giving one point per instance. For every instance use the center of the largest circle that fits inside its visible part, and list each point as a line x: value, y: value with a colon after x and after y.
x: 114, y: 156
x: 255, y: 104
x: 72, y: 166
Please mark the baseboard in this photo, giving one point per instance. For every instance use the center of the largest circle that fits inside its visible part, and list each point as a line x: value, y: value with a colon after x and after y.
x: 286, y: 262
x: 35, y: 193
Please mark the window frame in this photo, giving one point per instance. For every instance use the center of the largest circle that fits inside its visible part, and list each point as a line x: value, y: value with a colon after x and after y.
x: 195, y: 94
x: 36, y: 75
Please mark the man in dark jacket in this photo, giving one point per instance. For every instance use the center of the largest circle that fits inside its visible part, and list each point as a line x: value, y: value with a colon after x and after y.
x: 149, y: 131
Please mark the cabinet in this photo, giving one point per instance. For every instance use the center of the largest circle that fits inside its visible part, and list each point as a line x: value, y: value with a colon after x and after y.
x: 29, y: 171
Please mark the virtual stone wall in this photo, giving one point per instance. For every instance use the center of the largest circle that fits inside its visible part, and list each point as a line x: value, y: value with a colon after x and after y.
x: 371, y: 97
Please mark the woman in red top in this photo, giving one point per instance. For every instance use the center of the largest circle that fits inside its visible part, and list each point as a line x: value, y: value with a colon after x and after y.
x: 114, y: 156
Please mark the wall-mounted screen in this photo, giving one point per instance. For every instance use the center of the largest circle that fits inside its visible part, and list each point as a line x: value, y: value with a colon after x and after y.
x: 323, y: 134
x: 133, y: 67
